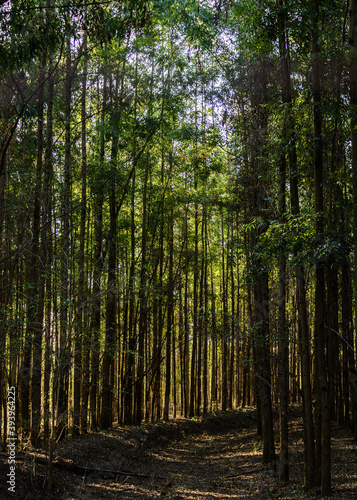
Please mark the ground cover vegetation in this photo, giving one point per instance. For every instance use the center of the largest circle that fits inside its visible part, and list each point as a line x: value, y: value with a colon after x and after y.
x: 178, y: 216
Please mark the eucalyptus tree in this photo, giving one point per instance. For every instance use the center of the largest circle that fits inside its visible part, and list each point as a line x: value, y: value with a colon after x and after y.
x: 353, y: 104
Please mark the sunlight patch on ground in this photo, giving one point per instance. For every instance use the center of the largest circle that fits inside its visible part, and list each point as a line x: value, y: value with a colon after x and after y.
x: 196, y: 494
x: 134, y: 490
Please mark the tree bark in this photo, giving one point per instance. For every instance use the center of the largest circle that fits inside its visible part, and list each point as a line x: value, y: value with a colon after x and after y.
x: 283, y: 342
x: 323, y: 417
x: 353, y: 111
x: 39, y: 262
x: 95, y: 325
x: 80, y: 378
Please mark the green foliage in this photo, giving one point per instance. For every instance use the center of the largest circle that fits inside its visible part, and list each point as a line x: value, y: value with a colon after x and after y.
x: 296, y: 239
x: 27, y: 32
x: 194, y: 18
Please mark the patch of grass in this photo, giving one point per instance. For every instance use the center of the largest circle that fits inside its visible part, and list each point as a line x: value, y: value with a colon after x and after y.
x: 257, y: 446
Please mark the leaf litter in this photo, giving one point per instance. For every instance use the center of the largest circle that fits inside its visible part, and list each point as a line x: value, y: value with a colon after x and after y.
x: 218, y: 456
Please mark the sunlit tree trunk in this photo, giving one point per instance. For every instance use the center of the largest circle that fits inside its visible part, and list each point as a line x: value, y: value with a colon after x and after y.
x: 65, y: 321
x: 193, y: 373
x: 214, y: 363
x: 225, y: 330
x: 97, y: 275
x: 81, y: 379
x: 230, y: 274
x: 46, y: 247
x: 186, y: 347
x: 170, y: 317
x: 143, y: 315
x: 206, y: 323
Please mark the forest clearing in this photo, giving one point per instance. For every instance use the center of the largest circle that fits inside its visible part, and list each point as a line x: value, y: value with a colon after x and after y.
x: 178, y: 240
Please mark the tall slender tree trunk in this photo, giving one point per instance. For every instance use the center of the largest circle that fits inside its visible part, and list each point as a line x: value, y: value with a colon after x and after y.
x: 201, y: 322
x: 111, y: 300
x: 214, y: 391
x: 110, y: 320
x: 283, y: 342
x: 80, y: 383
x: 97, y: 276
x: 2, y: 312
x: 206, y: 323
x: 193, y: 384
x: 64, y: 360
x: 143, y: 315
x: 130, y: 361
x: 230, y: 271
x: 4, y: 120
x: 353, y: 110
x: 39, y: 261
x: 170, y: 317
x: 47, y: 248
x: 259, y: 208
x: 225, y: 331
x: 283, y: 339
x: 323, y: 417
x: 186, y: 351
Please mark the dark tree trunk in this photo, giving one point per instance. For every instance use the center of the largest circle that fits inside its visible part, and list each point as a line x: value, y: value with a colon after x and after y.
x: 39, y: 261
x: 80, y: 378
x: 64, y: 358
x: 283, y: 342
x: 129, y: 360
x: 353, y: 110
x: 47, y: 248
x: 323, y: 418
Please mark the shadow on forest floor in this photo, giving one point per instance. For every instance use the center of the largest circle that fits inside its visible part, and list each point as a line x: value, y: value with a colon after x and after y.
x: 216, y: 457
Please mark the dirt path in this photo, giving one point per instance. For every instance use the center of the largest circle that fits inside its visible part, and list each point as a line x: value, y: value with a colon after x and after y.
x: 217, y: 458
x: 210, y: 467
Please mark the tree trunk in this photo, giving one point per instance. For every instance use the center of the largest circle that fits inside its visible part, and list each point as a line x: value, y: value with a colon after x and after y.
x: 353, y: 111
x: 39, y: 261
x: 47, y: 247
x: 303, y: 328
x: 283, y: 342
x: 225, y: 331
x: 130, y: 361
x: 323, y: 418
x: 97, y: 276
x: 80, y: 379
x: 64, y: 360
x: 139, y: 386
x: 193, y: 408
x: 110, y: 321
x: 170, y: 316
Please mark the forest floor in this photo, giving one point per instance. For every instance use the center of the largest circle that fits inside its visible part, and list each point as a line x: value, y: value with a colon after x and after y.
x: 216, y: 457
